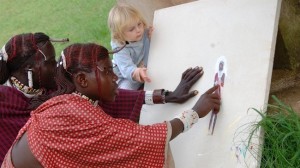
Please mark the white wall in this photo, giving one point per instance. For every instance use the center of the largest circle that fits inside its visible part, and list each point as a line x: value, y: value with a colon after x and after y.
x: 198, y: 33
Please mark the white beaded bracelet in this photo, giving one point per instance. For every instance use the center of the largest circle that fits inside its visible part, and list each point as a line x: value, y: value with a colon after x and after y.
x: 149, y: 97
x: 188, y: 118
x: 157, y: 96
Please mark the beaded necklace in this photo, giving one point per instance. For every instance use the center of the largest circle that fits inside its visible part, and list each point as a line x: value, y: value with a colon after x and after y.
x: 23, y: 88
x: 95, y: 103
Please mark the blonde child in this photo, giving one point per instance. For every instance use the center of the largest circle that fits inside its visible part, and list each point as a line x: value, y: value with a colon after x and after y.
x: 129, y: 28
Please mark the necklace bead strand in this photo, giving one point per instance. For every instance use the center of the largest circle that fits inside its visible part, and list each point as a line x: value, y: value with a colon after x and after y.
x: 23, y: 88
x: 95, y: 103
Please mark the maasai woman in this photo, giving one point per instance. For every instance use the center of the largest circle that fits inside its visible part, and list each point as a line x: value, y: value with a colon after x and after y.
x: 73, y: 130
x: 27, y: 66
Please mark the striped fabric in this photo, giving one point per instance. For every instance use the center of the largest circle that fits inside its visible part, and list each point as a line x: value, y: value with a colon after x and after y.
x: 128, y: 105
x: 13, y: 116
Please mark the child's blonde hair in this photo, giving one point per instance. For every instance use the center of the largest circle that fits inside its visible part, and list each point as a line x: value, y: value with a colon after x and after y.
x: 119, y: 17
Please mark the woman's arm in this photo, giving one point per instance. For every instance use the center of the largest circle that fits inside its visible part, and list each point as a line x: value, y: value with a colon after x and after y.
x: 208, y: 101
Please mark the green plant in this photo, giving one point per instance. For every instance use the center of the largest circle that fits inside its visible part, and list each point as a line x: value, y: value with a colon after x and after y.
x: 80, y: 21
x: 281, y: 131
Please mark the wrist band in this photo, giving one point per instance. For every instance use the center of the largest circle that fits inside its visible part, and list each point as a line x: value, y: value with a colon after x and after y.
x: 188, y: 118
x: 149, y: 97
x: 158, y: 96
x: 155, y: 97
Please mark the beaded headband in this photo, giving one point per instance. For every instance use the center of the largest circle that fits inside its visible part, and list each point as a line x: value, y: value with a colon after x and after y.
x: 63, y: 57
x: 3, y: 54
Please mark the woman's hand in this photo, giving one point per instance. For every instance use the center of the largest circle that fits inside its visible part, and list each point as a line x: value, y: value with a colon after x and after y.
x: 182, y: 92
x: 208, y: 101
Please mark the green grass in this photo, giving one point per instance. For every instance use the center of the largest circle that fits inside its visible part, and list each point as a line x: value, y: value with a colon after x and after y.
x: 281, y: 127
x: 79, y: 20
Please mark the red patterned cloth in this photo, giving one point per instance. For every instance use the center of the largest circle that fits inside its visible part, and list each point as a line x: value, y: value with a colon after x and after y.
x: 14, y: 113
x: 13, y: 116
x: 68, y: 131
x: 7, y: 163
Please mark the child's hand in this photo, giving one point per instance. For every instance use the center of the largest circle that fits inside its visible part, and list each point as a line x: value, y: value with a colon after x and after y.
x: 140, y: 75
x: 144, y: 76
x: 150, y: 31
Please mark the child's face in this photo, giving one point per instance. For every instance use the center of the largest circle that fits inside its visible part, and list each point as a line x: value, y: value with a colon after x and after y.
x: 134, y: 31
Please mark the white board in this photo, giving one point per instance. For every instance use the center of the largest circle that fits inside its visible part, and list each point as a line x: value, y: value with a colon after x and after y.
x: 198, y: 34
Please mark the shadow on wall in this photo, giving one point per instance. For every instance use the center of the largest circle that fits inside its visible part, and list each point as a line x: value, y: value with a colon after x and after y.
x: 288, y: 39
x: 286, y: 69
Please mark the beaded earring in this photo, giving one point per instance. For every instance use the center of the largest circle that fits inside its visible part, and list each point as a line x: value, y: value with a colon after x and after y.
x: 29, y: 76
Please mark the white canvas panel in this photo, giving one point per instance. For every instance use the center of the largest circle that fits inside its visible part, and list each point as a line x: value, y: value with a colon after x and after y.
x: 243, y: 32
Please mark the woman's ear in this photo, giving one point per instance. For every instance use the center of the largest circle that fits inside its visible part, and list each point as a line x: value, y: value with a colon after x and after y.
x: 81, y: 79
